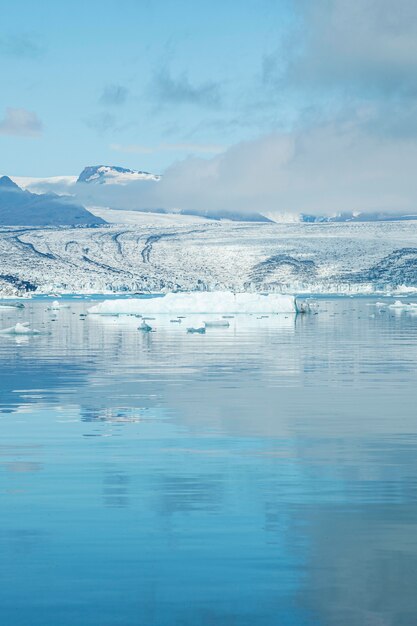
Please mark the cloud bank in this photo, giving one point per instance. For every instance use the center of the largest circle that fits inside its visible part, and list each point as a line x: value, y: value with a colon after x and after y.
x: 326, y: 170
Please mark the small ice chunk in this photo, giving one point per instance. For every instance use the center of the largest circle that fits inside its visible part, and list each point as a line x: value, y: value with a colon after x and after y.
x: 201, y: 330
x: 20, y: 329
x: 56, y: 306
x: 217, y: 324
x: 403, y: 305
x: 145, y: 327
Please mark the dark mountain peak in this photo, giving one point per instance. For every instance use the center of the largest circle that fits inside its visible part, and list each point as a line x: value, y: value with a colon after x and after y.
x: 7, y: 183
x: 21, y: 207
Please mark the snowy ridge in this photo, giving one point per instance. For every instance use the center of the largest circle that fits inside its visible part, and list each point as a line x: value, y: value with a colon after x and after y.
x: 113, y: 175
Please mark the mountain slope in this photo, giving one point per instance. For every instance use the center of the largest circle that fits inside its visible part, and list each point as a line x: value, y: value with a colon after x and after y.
x: 19, y: 207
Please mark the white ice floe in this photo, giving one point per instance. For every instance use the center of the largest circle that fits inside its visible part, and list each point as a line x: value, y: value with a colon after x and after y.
x: 19, y: 329
x: 56, y: 306
x: 403, y: 305
x: 217, y: 324
x: 199, y: 302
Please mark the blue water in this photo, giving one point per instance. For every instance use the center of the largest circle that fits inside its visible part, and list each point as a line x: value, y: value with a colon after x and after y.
x: 264, y: 474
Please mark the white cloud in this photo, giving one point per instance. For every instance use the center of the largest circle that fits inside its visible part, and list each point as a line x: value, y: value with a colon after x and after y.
x: 20, y: 122
x: 366, y: 47
x: 331, y: 168
x: 325, y: 170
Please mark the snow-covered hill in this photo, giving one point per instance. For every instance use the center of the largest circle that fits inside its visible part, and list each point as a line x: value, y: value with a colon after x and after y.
x: 202, y: 254
x: 113, y: 175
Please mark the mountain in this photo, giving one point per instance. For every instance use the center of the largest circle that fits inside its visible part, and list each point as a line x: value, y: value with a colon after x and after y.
x: 19, y: 207
x: 113, y: 175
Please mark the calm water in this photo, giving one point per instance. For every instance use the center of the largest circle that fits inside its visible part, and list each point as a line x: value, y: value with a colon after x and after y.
x: 260, y: 475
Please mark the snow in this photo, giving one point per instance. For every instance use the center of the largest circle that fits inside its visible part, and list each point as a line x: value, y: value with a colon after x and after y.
x: 199, y: 302
x: 106, y: 174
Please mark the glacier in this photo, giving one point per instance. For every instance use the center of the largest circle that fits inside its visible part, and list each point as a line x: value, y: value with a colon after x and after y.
x: 149, y: 253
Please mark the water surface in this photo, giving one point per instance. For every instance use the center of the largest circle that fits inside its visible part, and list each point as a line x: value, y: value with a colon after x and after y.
x: 262, y: 475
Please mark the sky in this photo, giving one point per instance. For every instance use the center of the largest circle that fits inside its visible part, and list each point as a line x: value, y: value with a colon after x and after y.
x: 288, y: 105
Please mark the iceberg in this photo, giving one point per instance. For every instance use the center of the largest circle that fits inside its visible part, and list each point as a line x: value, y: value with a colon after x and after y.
x: 199, y: 302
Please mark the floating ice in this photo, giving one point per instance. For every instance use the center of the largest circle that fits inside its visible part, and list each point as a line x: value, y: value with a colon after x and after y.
x: 403, y: 305
x: 217, y: 324
x: 145, y: 327
x: 19, y: 329
x: 199, y: 302
x: 13, y: 306
x: 56, y: 306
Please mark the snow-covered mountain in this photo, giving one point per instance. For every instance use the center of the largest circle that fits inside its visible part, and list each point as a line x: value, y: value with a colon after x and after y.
x: 115, y: 187
x: 20, y: 207
x: 113, y: 175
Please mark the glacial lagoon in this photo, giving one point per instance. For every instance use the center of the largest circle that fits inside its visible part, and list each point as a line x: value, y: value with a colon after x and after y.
x: 263, y: 474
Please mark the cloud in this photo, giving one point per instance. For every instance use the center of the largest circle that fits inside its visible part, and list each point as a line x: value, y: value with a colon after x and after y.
x: 331, y: 168
x: 366, y: 48
x: 21, y: 46
x: 20, y: 122
x: 191, y: 148
x: 114, y: 95
x: 167, y: 89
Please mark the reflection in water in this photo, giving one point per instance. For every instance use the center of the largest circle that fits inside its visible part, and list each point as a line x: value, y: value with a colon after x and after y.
x: 263, y: 474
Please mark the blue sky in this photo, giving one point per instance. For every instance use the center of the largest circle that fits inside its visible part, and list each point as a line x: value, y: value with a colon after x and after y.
x: 279, y: 105
x: 138, y: 83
